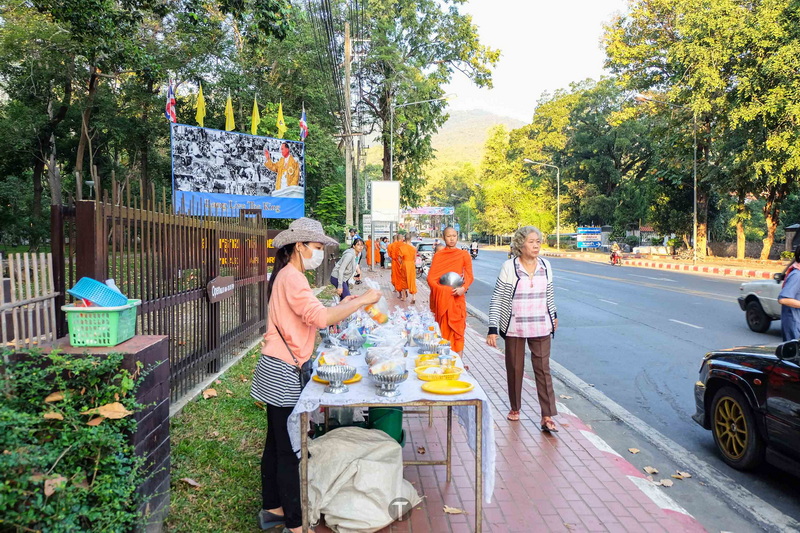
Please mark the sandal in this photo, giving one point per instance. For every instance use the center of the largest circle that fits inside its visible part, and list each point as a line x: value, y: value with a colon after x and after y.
x: 513, y: 416
x: 548, y: 426
x: 267, y: 520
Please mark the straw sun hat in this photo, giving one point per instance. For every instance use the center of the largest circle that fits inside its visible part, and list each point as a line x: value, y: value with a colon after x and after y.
x: 302, y: 230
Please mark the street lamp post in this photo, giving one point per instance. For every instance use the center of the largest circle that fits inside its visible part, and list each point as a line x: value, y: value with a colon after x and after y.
x: 640, y: 98
x: 558, y: 197
x: 392, y: 107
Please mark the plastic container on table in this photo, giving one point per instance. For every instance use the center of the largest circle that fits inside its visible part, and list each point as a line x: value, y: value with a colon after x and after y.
x: 101, y: 326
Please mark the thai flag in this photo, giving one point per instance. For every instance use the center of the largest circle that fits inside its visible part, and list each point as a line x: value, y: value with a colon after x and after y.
x: 303, y: 125
x: 169, y: 110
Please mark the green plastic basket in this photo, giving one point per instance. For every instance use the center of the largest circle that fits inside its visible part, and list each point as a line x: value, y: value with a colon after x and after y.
x: 101, y: 326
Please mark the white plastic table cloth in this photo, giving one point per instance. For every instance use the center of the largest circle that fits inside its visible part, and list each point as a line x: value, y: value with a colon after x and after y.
x: 365, y: 391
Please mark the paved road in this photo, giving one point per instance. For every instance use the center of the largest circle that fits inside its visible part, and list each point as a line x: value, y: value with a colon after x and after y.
x: 638, y: 335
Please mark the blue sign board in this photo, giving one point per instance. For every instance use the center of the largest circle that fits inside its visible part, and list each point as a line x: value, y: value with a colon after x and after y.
x: 589, y: 237
x: 457, y: 226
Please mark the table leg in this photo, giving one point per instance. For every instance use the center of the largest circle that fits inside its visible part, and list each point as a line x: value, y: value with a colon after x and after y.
x: 449, y: 439
x: 304, y: 505
x: 478, y: 469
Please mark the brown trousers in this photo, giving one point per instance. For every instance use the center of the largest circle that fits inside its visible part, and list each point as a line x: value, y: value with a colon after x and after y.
x: 515, y: 368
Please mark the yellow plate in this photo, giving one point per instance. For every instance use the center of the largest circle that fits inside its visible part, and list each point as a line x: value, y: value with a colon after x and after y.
x: 354, y: 379
x: 447, y: 387
x: 425, y: 359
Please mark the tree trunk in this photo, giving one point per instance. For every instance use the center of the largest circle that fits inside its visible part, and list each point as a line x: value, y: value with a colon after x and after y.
x: 771, y: 217
x: 54, y: 175
x: 702, y: 223
x: 741, y: 210
x: 85, y: 117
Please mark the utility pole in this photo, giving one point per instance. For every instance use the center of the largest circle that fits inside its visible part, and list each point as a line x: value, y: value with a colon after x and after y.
x: 348, y: 139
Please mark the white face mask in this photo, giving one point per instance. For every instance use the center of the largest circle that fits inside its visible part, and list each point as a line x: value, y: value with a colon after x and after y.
x: 315, y: 260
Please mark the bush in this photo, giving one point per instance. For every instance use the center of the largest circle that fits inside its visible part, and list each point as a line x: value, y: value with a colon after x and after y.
x: 62, y: 469
x: 787, y: 254
x: 632, y: 241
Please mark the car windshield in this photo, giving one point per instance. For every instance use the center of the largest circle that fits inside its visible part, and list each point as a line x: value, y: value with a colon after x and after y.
x: 425, y: 247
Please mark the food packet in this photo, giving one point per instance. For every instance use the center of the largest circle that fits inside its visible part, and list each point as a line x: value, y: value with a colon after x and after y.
x: 336, y: 355
x: 352, y: 331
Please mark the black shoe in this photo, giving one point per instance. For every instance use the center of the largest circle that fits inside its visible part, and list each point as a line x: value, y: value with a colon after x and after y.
x: 267, y: 520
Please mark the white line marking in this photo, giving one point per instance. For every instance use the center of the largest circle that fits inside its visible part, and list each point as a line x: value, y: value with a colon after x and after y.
x: 657, y: 495
x: 608, y: 301
x: 599, y: 443
x: 657, y: 279
x: 563, y: 288
x: 568, y: 279
x: 685, y: 324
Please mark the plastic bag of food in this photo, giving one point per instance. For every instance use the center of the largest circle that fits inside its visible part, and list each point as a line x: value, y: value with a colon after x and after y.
x: 335, y: 355
x: 388, y: 366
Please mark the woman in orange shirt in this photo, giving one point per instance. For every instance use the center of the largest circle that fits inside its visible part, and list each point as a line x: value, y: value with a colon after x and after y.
x: 294, y: 316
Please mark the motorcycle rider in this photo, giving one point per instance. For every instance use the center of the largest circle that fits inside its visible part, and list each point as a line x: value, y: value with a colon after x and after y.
x: 473, y: 249
x: 615, y: 253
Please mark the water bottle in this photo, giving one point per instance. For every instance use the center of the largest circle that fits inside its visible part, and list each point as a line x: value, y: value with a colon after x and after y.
x: 110, y: 283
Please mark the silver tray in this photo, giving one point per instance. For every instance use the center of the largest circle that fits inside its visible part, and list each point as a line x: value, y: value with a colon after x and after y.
x: 335, y: 375
x: 388, y: 383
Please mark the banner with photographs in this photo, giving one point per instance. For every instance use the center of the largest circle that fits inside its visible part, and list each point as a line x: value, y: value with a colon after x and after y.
x: 220, y: 172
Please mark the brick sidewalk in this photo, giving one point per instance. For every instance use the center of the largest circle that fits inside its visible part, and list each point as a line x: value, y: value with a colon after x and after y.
x: 571, y: 481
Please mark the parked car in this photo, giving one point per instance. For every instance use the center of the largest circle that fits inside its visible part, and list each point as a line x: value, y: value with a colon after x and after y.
x: 759, y: 301
x: 425, y: 250
x: 749, y: 397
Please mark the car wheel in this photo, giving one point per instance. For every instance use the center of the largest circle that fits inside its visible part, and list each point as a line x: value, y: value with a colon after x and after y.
x: 734, y: 429
x: 757, y: 319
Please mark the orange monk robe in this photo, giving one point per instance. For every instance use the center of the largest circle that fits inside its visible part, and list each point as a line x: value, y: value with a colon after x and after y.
x: 391, y: 250
x: 368, y: 250
x: 450, y: 311
x: 408, y: 267
x: 377, y: 252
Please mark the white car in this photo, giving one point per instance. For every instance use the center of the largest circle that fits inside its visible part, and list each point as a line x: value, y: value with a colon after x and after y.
x: 759, y: 301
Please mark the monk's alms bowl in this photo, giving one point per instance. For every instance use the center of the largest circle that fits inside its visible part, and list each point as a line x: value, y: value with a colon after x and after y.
x: 336, y: 375
x: 388, y: 382
x: 451, y: 279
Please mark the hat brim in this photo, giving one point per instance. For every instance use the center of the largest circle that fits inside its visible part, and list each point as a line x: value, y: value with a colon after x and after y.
x: 289, y: 236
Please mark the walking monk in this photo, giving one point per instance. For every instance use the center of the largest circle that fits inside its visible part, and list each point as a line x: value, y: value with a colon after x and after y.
x: 449, y: 305
x: 408, y: 263
x: 369, y: 250
x: 391, y: 250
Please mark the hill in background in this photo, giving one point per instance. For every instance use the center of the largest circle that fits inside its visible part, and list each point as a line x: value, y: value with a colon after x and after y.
x: 461, y: 138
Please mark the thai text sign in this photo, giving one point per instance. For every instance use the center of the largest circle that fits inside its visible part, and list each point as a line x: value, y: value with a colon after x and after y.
x: 589, y: 237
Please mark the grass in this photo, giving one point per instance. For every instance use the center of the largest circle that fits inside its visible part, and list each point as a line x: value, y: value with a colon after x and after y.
x: 218, y: 443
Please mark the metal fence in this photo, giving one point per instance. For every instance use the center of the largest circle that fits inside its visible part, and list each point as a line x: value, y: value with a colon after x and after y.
x: 167, y: 260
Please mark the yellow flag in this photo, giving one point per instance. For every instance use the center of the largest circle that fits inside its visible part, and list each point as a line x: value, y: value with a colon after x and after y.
x: 255, y: 120
x: 280, y: 123
x: 229, y: 125
x: 201, y: 107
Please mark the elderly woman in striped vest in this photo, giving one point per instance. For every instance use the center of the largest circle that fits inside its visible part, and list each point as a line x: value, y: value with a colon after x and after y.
x: 523, y: 311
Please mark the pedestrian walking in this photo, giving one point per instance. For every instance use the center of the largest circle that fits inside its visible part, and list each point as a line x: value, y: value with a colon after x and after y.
x: 347, y: 268
x: 789, y: 298
x: 407, y: 254
x: 523, y: 311
x: 294, y: 315
x: 383, y: 245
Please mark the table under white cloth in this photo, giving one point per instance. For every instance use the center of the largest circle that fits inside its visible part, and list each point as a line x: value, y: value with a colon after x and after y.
x: 365, y: 391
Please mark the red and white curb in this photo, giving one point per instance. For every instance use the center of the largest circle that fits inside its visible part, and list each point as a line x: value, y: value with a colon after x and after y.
x: 663, y: 501
x: 678, y: 267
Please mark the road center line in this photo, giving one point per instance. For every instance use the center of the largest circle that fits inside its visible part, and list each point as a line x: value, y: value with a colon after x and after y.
x: 685, y: 324
x: 608, y: 301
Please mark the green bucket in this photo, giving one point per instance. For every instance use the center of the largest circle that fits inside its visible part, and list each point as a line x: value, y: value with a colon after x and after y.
x: 389, y: 420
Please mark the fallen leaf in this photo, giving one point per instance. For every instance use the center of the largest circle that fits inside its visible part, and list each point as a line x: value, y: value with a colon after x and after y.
x: 116, y: 396
x: 83, y: 391
x: 569, y: 526
x: 633, y: 450
x: 95, y: 421
x: 243, y: 378
x: 650, y: 470
x: 54, y: 416
x: 229, y: 392
x: 50, y: 485
x: 260, y: 405
x: 684, y: 475
x: 466, y: 367
x: 564, y: 425
x: 453, y: 510
x: 209, y: 393
x: 192, y: 483
x: 7, y: 452
x: 215, y: 433
x: 113, y: 411
x: 54, y: 397
x: 421, y: 450
x: 36, y: 478
x: 218, y: 382
x: 564, y: 396
x: 667, y: 482
x: 677, y: 476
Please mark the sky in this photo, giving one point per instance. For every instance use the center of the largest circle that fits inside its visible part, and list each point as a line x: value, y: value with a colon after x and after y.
x: 545, y: 45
